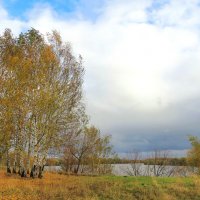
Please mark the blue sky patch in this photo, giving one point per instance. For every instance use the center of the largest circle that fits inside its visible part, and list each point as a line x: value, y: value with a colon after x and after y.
x: 17, y: 8
x: 89, y: 9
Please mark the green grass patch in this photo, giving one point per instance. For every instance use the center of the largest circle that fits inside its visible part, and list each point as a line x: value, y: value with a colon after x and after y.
x: 55, y: 186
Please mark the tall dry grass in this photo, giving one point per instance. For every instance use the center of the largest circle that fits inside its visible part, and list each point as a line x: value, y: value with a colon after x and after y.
x: 61, y: 187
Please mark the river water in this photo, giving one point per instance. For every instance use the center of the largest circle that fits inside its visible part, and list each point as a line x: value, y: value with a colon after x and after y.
x: 142, y: 170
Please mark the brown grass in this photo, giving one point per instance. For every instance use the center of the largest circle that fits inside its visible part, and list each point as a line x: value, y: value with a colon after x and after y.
x: 61, y: 187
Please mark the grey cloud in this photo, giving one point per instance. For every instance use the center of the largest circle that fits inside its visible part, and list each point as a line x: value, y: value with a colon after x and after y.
x: 166, y: 129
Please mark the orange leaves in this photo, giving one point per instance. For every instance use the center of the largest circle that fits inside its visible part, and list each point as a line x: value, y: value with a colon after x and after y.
x: 48, y: 56
x: 42, y: 86
x: 14, y: 60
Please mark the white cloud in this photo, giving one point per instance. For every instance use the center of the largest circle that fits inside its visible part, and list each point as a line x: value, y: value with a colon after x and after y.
x: 184, y: 13
x: 136, y: 71
x: 125, y: 12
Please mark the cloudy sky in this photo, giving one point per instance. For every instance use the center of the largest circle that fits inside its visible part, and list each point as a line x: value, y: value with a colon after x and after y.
x: 142, y: 61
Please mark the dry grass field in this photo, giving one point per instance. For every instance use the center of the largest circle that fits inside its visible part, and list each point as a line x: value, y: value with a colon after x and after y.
x: 61, y: 187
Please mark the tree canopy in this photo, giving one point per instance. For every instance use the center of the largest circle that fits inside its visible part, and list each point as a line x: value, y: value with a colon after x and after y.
x: 194, y: 152
x: 41, y: 104
x: 40, y: 96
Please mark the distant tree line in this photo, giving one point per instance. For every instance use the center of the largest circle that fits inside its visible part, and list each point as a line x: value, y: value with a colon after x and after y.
x: 148, y: 161
x: 168, y: 161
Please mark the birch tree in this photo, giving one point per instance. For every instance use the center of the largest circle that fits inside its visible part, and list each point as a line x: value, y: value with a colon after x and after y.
x: 41, y: 90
